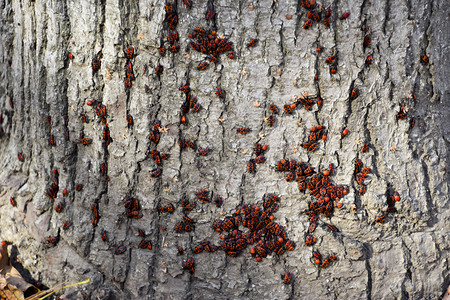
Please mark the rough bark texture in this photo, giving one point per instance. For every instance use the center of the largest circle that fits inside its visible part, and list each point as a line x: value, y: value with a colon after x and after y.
x: 406, y: 257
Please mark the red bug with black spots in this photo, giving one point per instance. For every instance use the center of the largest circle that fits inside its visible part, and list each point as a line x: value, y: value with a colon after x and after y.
x: 242, y: 130
x: 103, y: 235
x: 174, y: 48
x: 219, y: 93
x: 210, y: 14
x: 287, y: 278
x: 202, y: 66
x: 203, y: 152
x: 271, y: 121
x: 307, y: 24
x: 251, y: 166
x: 13, y: 201
x: 129, y: 52
x: 252, y: 43
x: 20, y: 157
x: 120, y: 250
x: 66, y: 225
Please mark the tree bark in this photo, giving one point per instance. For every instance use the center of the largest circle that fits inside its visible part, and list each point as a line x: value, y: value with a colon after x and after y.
x: 406, y: 257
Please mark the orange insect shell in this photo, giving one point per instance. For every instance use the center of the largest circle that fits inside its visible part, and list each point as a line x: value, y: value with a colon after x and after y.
x: 396, y: 196
x: 222, y: 237
x: 64, y: 192
x: 253, y: 250
x: 264, y: 147
x: 70, y: 56
x: 258, y: 258
x: 293, y: 105
x: 326, y: 199
x: 272, y: 218
x: 324, y: 136
x: 280, y: 240
x: 339, y: 204
x: 89, y: 102
x: 345, y: 192
x: 238, y: 212
x: 326, y: 172
x: 256, y: 208
x: 313, y: 128
x: 317, y: 261
x: 318, y: 127
x: 345, y: 132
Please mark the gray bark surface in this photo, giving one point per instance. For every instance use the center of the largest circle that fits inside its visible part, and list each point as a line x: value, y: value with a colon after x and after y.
x: 406, y: 257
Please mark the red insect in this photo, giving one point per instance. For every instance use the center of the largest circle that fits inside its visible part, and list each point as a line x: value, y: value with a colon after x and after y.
x: 364, y: 148
x: 174, y: 48
x: 103, y: 168
x: 100, y: 109
x: 196, y: 107
x: 332, y: 227
x: 424, y: 59
x: 402, y: 114
x: 79, y: 187
x: 274, y: 109
x: 156, y: 173
x: 59, y: 207
x: 396, y: 196
x: 219, y: 93
x: 312, y: 147
x: 242, y: 130
x: 362, y: 190
x: 13, y: 201
x: 310, y: 240
x: 159, y: 70
x: 381, y: 219
x: 287, y: 278
x: 366, y: 40
x: 66, y: 225
x: 203, y: 152
x: 96, y: 64
x: 328, y: 12
x: 308, y: 24
x: 162, y: 51
x: 259, y: 159
x: 330, y: 59
x: 189, y: 265
x: 51, y: 140
x: 52, y: 240
x: 412, y: 123
x: 187, y: 3
x: 333, y: 69
x: 345, y: 16
x: 218, y: 201
x: 271, y: 121
x: 202, y: 66
x: 231, y: 54
x: 103, y: 235
x: 20, y: 157
x: 210, y: 14
x: 251, y: 166
x: 121, y: 250
x: 130, y: 120
x: 369, y: 59
x: 326, y: 22
x: 129, y: 52
x: 252, y: 43
x: 180, y: 250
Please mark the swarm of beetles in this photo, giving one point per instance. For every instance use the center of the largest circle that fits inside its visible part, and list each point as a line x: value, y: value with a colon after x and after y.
x: 211, y: 45
x: 259, y: 158
x: 266, y: 235
x: 361, y: 175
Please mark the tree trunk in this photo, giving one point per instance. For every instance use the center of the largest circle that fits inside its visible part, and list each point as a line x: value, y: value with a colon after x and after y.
x: 405, y: 257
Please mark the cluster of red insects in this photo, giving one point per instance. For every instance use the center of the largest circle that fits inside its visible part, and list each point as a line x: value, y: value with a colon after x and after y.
x: 190, y: 103
x: 321, y: 187
x: 316, y: 134
x: 266, y: 235
x: 129, y: 72
x: 260, y: 158
x: 172, y: 33
x: 391, y: 199
x: 361, y: 175
x: 305, y: 100
x: 212, y: 46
